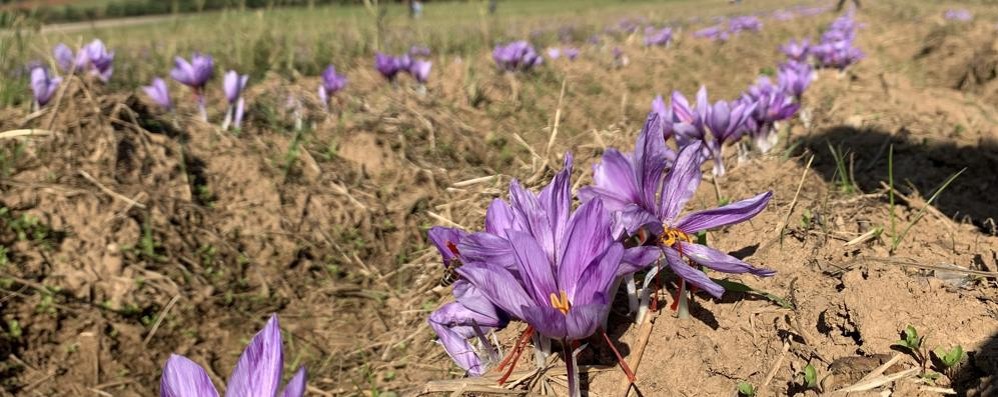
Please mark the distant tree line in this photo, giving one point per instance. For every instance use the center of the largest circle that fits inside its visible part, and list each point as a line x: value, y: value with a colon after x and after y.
x: 133, y: 8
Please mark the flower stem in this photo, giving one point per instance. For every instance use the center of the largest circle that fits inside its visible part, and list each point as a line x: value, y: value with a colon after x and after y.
x: 571, y: 367
x: 683, y: 299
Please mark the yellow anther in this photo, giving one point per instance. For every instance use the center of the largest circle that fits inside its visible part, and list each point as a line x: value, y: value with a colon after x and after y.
x: 561, y: 302
x: 671, y: 236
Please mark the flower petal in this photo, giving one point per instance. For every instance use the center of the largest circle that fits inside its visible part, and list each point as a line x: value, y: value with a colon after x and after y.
x: 480, y: 309
x: 536, y: 271
x: 296, y: 386
x: 258, y: 372
x: 444, y: 238
x: 691, y: 275
x: 614, y: 181
x: 583, y: 320
x: 638, y: 258
x: 587, y: 237
x: 720, y: 261
x: 595, y: 280
x: 184, y: 378
x: 498, y: 217
x: 533, y: 217
x: 499, y: 286
x: 487, y: 248
x: 556, y: 200
x: 681, y: 183
x: 730, y: 214
x: 547, y: 320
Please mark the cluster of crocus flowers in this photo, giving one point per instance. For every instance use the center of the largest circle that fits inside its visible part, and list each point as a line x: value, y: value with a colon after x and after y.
x: 234, y: 84
x: 195, y: 74
x: 712, y: 33
x: 836, y: 48
x: 744, y: 23
x: 958, y: 14
x: 94, y: 58
x: 331, y: 83
x: 258, y: 372
x: 516, y: 56
x: 390, y: 66
x: 43, y: 85
x: 772, y: 105
x: 657, y: 37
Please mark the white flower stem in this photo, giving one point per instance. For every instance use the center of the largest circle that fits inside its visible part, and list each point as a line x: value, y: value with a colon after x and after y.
x: 684, y: 306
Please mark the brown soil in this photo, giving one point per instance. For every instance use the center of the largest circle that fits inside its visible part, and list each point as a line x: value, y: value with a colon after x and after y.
x: 131, y: 235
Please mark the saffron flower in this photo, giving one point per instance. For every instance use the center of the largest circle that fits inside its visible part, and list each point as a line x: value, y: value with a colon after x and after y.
x: 159, y: 93
x: 420, y: 70
x: 43, y: 85
x: 331, y: 84
x: 257, y: 374
x: 195, y: 74
x: 835, y: 49
x: 67, y: 61
x: 712, y: 33
x: 674, y: 234
x: 725, y: 121
x: 516, y: 56
x: 771, y: 106
x: 794, y: 77
x: 470, y: 318
x: 796, y: 50
x: 419, y: 51
x: 101, y: 60
x: 233, y: 84
x: 658, y: 37
x: 750, y: 23
x: 389, y: 66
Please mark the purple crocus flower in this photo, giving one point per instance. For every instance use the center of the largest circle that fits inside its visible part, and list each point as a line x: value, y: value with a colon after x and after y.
x: 571, y: 53
x: 725, y: 121
x: 471, y: 317
x: 796, y: 50
x: 331, y: 84
x: 750, y: 23
x: 665, y: 117
x: 674, y: 234
x: 257, y: 374
x: 516, y: 56
x: 658, y: 37
x: 958, y: 14
x: 712, y: 33
x: 233, y: 85
x: 420, y: 70
x: 43, y: 85
x: 388, y: 66
x: 794, y: 77
x: 195, y: 74
x: 419, y: 51
x: 101, y: 60
x: 67, y: 61
x: 783, y: 15
x: 159, y: 93
x: 771, y: 105
x: 554, y: 53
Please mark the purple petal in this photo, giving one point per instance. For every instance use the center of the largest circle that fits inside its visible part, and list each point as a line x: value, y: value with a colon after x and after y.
x: 457, y: 347
x: 720, y: 261
x: 483, y: 312
x: 498, y: 217
x: 258, y: 372
x: 533, y: 215
x: 730, y: 214
x: 587, y: 237
x: 296, y: 386
x: 594, y: 282
x: 613, y: 180
x: 487, y: 248
x: 534, y: 267
x: 556, y: 200
x: 691, y: 275
x: 499, y: 285
x: 681, y: 183
x: 547, y: 320
x: 446, y: 240
x: 638, y: 258
x: 184, y: 378
x: 632, y: 218
x: 583, y: 320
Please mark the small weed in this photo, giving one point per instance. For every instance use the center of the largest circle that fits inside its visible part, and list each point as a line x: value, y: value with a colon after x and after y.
x: 843, y: 174
x: 805, y: 219
x: 921, y: 211
x: 810, y: 376
x: 746, y: 389
x: 948, y: 358
x: 912, y: 343
x: 14, y: 330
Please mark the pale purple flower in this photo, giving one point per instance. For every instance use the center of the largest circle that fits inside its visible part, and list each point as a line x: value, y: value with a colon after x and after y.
x: 258, y: 372
x: 419, y: 51
x: 744, y: 23
x: 159, y: 93
x: 468, y: 320
x: 713, y: 33
x: 674, y: 234
x: 658, y: 37
x: 554, y: 53
x: 772, y: 104
x: 958, y: 14
x: 420, y: 70
x: 331, y: 84
x: 194, y: 74
x: 783, y: 15
x: 67, y: 61
x: 233, y: 85
x: 794, y: 77
x: 725, y: 121
x: 796, y: 50
x: 101, y: 60
x: 516, y: 56
x: 43, y: 85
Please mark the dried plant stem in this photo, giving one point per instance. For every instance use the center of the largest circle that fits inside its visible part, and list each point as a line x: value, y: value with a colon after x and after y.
x: 110, y: 192
x: 644, y: 334
x: 793, y: 203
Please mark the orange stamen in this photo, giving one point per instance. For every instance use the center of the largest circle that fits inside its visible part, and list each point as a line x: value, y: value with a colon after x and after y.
x: 561, y: 302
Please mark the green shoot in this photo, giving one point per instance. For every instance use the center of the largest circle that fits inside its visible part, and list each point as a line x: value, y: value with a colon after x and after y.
x: 739, y: 287
x: 844, y: 179
x: 890, y: 181
x: 805, y: 219
x: 949, y: 358
x: 746, y: 389
x: 912, y: 342
x: 921, y: 211
x: 810, y: 377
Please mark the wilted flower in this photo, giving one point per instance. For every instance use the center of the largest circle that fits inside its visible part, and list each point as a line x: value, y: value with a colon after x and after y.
x: 958, y: 14
x: 233, y: 85
x: 257, y: 374
x: 516, y: 56
x: 43, y: 86
x: 159, y: 93
x: 194, y: 74
x: 420, y: 70
x: 658, y: 37
x: 331, y: 84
